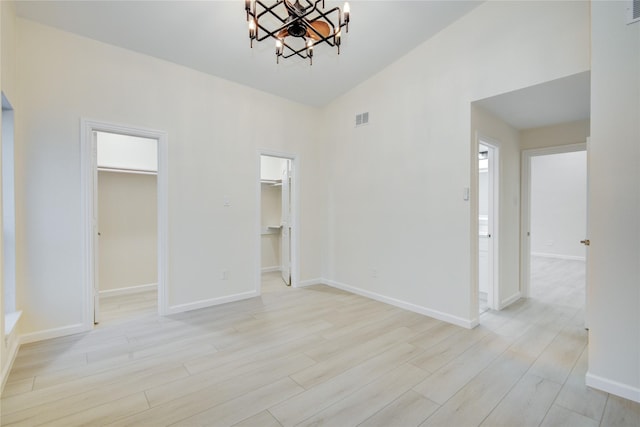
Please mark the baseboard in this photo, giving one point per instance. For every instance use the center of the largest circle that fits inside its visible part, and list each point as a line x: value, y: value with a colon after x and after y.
x: 180, y: 308
x: 558, y: 256
x: 128, y: 290
x: 459, y: 321
x: 52, y: 333
x: 310, y: 282
x: 613, y: 387
x: 507, y: 302
x: 12, y: 353
x: 270, y: 269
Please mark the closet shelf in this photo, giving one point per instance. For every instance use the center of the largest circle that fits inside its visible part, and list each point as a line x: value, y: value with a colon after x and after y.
x: 271, y: 229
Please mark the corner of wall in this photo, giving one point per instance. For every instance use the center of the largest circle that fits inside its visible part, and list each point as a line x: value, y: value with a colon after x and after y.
x: 8, y: 344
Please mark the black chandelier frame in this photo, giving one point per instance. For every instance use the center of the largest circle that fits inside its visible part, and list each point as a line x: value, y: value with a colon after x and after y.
x: 296, y: 14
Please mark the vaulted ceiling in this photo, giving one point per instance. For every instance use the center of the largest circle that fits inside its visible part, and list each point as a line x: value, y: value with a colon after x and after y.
x: 212, y: 37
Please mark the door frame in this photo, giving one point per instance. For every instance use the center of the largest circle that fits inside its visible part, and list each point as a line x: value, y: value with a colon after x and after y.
x: 295, y: 209
x: 474, y: 227
x: 88, y: 174
x: 493, y: 173
x: 493, y: 184
x: 525, y: 211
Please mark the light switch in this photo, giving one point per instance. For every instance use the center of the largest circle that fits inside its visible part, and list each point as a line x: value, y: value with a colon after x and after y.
x: 226, y: 202
x: 465, y: 193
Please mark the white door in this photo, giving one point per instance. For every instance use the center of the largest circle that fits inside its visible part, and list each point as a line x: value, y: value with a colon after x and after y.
x: 285, y: 235
x: 487, y: 224
x: 587, y: 243
x: 96, y: 233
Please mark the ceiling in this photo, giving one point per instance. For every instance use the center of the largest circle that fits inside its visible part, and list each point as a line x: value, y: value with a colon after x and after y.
x: 212, y: 37
x: 557, y: 101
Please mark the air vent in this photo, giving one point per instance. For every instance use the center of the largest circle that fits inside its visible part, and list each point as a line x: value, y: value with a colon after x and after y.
x: 633, y: 11
x: 362, y: 119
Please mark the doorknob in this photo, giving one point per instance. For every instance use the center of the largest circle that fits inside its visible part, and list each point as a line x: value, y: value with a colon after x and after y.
x: 585, y: 242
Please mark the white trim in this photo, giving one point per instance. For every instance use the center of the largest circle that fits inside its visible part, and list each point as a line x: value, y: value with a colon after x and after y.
x: 311, y: 282
x: 53, y: 333
x: 525, y: 206
x: 128, y: 290
x: 88, y: 166
x: 613, y: 387
x: 295, y: 216
x: 558, y: 256
x: 459, y: 321
x: 12, y: 352
x: 10, y: 321
x: 507, y: 302
x: 270, y: 269
x: 180, y: 308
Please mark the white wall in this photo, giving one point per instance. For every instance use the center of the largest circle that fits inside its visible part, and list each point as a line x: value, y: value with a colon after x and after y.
x: 559, y: 205
x: 127, y: 152
x: 212, y: 154
x: 271, y: 168
x: 614, y: 203
x: 128, y: 225
x: 8, y: 85
x: 396, y: 185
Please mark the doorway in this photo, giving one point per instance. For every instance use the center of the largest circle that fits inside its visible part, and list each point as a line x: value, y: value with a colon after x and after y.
x: 277, y: 195
x: 116, y: 165
x: 488, y: 203
x: 126, y: 255
x: 554, y: 223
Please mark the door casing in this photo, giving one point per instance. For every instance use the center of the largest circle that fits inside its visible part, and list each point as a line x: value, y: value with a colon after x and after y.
x: 88, y: 150
x: 525, y: 220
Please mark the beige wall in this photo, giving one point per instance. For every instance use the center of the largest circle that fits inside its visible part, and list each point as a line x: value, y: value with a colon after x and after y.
x: 127, y: 221
x: 551, y: 136
x: 396, y: 185
x: 212, y: 156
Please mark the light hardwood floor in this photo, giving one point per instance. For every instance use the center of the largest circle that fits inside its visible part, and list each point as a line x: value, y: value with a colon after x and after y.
x: 319, y: 356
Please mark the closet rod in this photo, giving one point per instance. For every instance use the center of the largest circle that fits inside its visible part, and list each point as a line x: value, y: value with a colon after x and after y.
x: 136, y: 171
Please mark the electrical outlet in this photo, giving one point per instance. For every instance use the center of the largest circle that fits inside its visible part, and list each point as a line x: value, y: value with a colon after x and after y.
x: 224, y: 275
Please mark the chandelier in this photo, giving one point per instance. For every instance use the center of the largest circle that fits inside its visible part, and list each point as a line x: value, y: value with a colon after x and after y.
x: 296, y: 27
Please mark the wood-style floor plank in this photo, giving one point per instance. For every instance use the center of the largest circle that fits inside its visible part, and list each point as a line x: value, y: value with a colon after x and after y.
x: 319, y: 355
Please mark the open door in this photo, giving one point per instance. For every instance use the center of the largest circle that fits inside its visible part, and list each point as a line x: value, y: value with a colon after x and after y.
x: 487, y: 225
x: 285, y: 235
x: 96, y: 233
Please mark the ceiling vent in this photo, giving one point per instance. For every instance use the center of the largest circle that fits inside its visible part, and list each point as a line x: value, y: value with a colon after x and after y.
x: 362, y: 119
x: 633, y: 11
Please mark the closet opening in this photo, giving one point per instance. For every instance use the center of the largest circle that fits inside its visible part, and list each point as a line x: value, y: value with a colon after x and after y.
x: 124, y: 197
x: 127, y: 262
x: 277, y: 222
